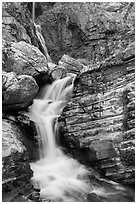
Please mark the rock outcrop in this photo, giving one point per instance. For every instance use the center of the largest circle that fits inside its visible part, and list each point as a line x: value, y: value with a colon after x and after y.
x: 100, y: 117
x: 16, y: 171
x: 25, y: 70
x: 67, y: 65
x: 22, y: 65
x: 18, y: 91
x: 93, y: 40
x: 23, y: 58
x: 17, y: 24
x: 91, y: 30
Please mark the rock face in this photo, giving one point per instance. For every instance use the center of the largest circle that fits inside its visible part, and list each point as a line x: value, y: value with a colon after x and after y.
x: 100, y: 117
x: 99, y: 121
x: 16, y: 171
x: 25, y: 70
x: 17, y: 24
x: 91, y: 30
x: 23, y: 58
x: 18, y: 91
x: 67, y: 65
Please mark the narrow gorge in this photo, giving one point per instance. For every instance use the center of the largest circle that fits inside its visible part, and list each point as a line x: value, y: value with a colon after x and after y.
x: 68, y: 102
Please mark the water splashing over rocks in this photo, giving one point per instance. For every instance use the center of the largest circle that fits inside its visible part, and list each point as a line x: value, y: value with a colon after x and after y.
x: 58, y: 176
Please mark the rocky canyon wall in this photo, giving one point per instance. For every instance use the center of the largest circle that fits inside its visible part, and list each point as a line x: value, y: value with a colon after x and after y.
x: 91, y: 30
x: 100, y: 116
x: 96, y: 42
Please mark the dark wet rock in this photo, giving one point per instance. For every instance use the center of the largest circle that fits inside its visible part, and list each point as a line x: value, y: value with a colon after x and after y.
x: 92, y: 197
x: 28, y: 125
x: 103, y: 149
x: 18, y: 91
x: 10, y: 197
x: 35, y: 196
x: 16, y: 172
x: 100, y: 117
x: 23, y: 58
x: 32, y: 138
x: 110, y: 192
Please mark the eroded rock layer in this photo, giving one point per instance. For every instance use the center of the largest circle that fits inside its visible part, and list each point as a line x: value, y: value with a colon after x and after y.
x: 99, y: 121
x: 100, y: 116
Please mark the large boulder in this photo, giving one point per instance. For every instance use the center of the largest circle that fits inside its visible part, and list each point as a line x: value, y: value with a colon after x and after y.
x: 27, y: 127
x: 100, y: 117
x: 18, y: 91
x: 23, y: 58
x: 16, y: 171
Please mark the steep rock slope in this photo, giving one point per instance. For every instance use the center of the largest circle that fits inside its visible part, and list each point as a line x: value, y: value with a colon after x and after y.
x: 90, y: 30
x: 101, y: 117
x: 17, y: 24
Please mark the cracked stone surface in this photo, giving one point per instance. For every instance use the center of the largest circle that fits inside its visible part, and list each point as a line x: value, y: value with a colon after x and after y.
x: 23, y: 58
x: 100, y: 118
x: 18, y: 91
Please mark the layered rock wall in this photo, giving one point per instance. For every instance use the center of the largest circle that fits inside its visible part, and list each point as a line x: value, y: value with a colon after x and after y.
x: 100, y: 116
x: 99, y: 119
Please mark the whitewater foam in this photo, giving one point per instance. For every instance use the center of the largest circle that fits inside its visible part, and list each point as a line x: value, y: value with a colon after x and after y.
x: 58, y: 176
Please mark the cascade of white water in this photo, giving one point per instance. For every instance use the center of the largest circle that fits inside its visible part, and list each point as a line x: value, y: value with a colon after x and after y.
x: 33, y: 12
x: 58, y: 176
x: 42, y: 42
x: 39, y: 35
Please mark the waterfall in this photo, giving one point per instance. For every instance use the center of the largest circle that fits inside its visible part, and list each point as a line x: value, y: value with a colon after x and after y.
x: 40, y: 36
x: 58, y: 176
x: 33, y: 12
x: 42, y: 42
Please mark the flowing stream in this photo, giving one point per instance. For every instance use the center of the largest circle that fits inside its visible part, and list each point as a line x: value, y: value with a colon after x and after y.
x: 42, y: 42
x: 58, y: 176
